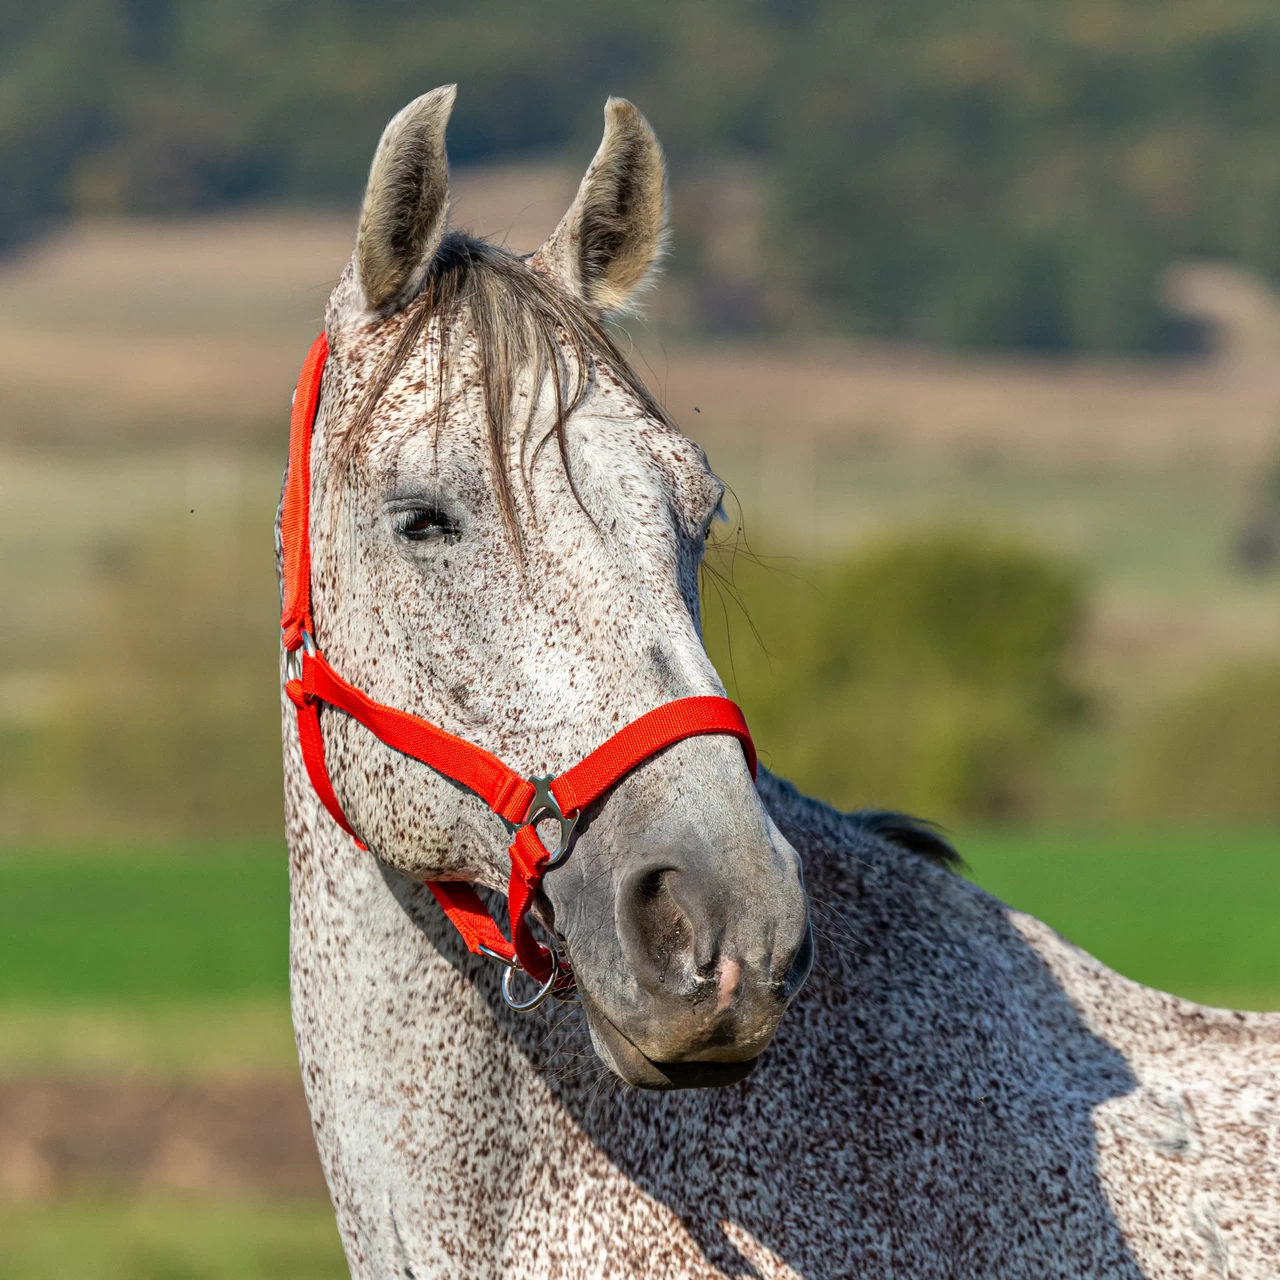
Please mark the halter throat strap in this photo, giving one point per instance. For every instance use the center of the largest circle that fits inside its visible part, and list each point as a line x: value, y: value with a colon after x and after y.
x: 521, y: 802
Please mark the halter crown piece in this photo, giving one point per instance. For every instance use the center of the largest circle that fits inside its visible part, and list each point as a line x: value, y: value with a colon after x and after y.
x: 521, y: 802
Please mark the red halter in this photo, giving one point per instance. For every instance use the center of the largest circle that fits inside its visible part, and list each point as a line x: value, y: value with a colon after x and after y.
x: 519, y: 801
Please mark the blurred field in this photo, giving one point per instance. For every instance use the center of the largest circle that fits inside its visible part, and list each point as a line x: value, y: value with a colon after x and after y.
x: 170, y: 1240
x: 188, y: 924
x: 155, y: 933
x: 1189, y: 912
x: 124, y: 331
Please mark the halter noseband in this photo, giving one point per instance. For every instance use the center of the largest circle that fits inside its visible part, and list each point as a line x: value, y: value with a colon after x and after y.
x: 521, y: 802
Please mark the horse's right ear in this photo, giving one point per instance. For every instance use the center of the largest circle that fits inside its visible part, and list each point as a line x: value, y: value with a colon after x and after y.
x: 406, y: 203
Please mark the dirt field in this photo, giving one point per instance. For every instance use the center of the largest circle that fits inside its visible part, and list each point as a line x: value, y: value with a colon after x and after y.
x: 117, y: 1135
x: 133, y: 331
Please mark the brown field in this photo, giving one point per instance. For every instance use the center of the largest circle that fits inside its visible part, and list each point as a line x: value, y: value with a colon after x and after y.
x: 146, y: 369
x: 129, y: 1136
x: 118, y: 332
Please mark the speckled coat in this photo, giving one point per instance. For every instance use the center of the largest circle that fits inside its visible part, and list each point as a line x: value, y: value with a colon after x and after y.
x: 955, y: 1092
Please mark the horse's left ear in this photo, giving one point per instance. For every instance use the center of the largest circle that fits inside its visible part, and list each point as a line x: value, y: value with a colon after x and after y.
x: 608, y: 244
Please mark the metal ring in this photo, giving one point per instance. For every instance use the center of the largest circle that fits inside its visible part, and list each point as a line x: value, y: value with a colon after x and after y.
x: 524, y: 1006
x: 293, y: 657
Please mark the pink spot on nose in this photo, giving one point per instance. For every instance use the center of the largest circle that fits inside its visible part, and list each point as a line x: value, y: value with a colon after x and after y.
x: 730, y: 972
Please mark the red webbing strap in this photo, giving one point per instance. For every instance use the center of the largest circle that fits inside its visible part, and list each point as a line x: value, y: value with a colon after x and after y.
x: 461, y: 903
x: 670, y: 723
x: 295, y: 535
x: 502, y: 789
x: 312, y: 742
x: 528, y: 863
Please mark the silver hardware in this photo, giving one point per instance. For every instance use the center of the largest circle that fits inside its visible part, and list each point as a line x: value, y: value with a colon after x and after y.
x: 511, y: 962
x: 293, y: 658
x: 545, y: 805
x: 513, y: 965
x: 524, y: 1006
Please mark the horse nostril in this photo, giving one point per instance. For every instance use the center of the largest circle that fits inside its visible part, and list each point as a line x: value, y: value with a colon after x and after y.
x: 656, y: 934
x: 685, y: 934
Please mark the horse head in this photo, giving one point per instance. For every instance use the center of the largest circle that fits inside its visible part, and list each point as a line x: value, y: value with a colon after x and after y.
x: 506, y: 533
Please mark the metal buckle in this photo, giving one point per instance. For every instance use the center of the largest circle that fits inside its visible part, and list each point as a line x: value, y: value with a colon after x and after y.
x: 293, y: 658
x: 544, y: 804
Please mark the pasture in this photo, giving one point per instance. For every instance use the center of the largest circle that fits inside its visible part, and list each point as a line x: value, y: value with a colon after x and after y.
x: 170, y: 1240
x: 178, y: 942
x: 160, y: 971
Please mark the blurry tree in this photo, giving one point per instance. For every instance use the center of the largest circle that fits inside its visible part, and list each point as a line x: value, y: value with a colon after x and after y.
x: 930, y: 672
x: 1211, y: 753
x: 1004, y: 173
x: 998, y: 173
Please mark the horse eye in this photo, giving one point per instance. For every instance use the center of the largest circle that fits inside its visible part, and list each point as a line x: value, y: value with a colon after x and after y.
x: 426, y: 524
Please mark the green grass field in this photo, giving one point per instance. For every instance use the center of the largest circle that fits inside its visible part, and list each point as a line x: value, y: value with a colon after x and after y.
x: 169, y: 929
x: 177, y: 1240
x: 161, y: 925
x: 1195, y: 914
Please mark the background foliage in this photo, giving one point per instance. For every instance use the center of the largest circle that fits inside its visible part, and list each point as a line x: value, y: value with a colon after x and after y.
x: 1000, y: 173
x: 938, y: 660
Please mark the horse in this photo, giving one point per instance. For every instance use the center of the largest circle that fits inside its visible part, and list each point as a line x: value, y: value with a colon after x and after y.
x: 505, y: 532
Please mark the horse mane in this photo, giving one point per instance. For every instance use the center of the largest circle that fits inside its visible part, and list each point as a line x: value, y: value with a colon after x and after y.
x: 518, y: 318
x: 915, y: 835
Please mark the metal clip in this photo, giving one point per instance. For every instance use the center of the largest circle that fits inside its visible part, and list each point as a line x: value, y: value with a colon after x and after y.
x: 524, y: 1006
x: 545, y: 805
x: 564, y: 994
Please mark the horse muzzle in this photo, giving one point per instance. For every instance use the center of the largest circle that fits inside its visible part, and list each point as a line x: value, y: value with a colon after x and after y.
x: 711, y: 941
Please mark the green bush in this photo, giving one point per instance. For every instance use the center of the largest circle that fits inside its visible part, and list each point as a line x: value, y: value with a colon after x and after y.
x: 1212, y: 753
x: 929, y: 672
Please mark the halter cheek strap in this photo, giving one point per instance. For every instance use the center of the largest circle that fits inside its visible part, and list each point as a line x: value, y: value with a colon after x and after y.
x: 521, y: 802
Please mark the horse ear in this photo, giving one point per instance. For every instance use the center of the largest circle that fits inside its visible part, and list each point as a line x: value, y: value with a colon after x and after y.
x: 406, y: 203
x: 608, y: 244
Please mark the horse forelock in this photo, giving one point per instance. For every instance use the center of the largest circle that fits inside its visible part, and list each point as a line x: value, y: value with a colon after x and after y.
x: 510, y: 322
